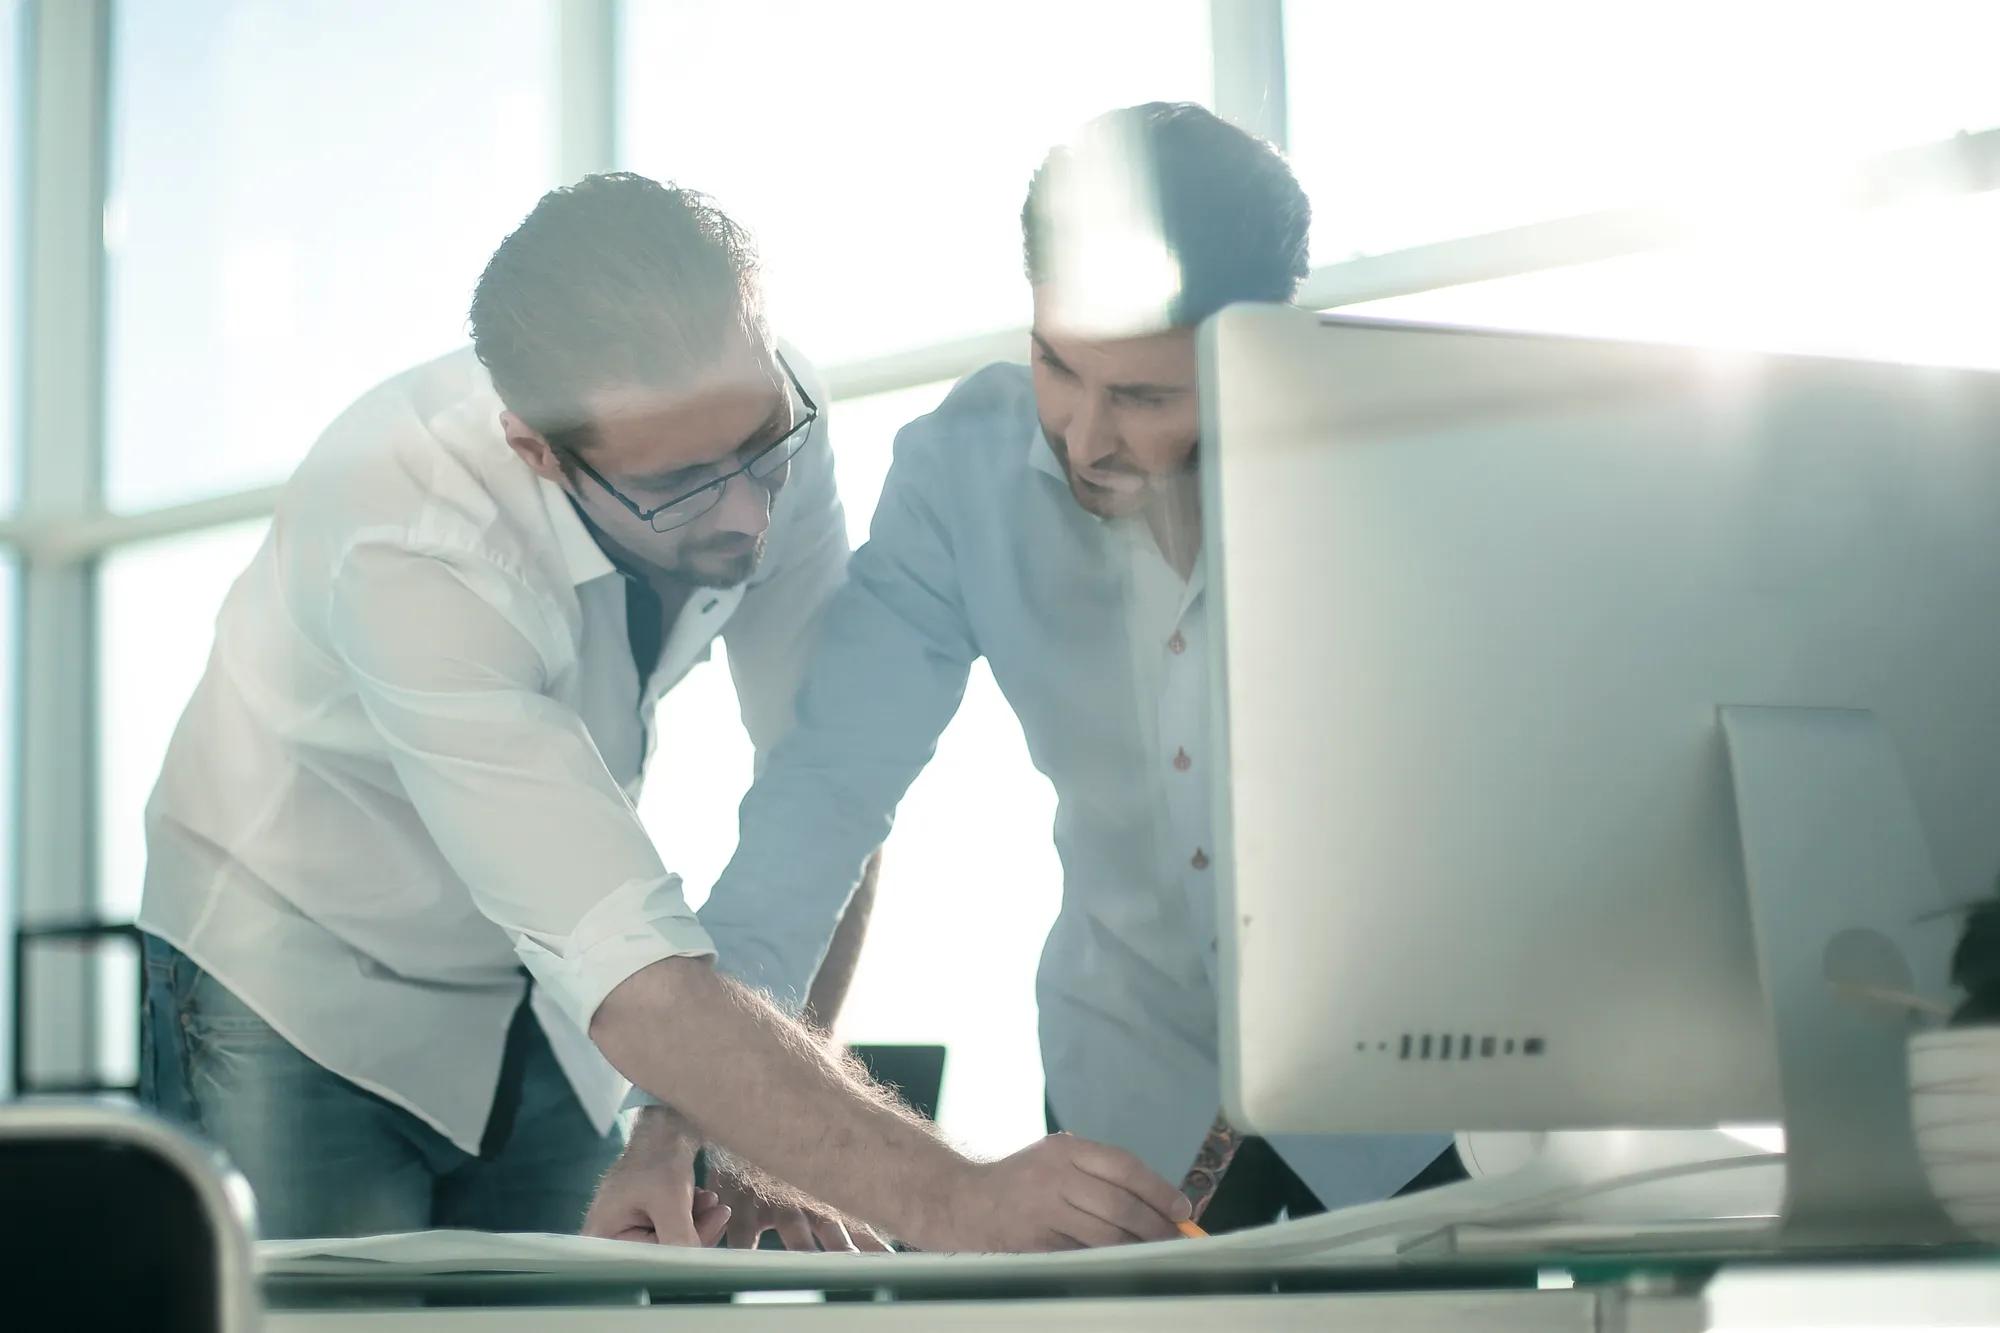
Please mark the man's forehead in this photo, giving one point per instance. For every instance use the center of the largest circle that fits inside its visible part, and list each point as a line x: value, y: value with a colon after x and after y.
x: 705, y: 419
x: 1160, y: 357
x: 736, y: 381
x: 1052, y: 322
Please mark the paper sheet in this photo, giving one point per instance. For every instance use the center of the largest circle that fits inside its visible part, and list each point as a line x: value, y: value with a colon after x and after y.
x: 1368, y: 1233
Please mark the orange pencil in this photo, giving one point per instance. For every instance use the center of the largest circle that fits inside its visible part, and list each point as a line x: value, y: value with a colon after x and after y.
x: 1191, y: 1231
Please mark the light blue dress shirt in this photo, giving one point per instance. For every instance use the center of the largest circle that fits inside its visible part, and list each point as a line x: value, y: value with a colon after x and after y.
x: 978, y: 548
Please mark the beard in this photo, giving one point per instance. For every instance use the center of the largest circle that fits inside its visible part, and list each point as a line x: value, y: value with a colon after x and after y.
x: 718, y: 562
x: 1106, y: 493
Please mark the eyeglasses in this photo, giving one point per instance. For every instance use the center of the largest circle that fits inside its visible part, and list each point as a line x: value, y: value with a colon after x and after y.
x: 768, y: 466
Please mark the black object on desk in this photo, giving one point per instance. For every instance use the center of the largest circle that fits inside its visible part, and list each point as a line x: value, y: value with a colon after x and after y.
x: 915, y: 1072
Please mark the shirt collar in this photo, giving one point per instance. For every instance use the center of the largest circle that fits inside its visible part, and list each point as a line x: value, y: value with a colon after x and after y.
x: 585, y: 560
x: 474, y: 419
x: 1042, y: 458
x: 582, y: 556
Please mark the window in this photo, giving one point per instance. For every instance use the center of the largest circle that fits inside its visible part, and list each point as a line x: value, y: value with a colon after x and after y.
x: 10, y: 654
x: 700, y: 770
x: 12, y: 97
x: 1420, y: 121
x: 1916, y: 283
x: 13, y: 60
x: 970, y: 859
x: 156, y: 608
x: 863, y: 431
x: 302, y: 197
x: 880, y: 153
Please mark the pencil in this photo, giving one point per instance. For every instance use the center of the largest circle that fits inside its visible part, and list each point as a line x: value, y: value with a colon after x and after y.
x: 1191, y: 1231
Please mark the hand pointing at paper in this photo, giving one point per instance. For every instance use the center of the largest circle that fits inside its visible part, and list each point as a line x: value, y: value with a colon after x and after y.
x: 1065, y: 1193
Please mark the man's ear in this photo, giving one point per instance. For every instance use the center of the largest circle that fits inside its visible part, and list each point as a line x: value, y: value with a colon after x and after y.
x: 532, y: 448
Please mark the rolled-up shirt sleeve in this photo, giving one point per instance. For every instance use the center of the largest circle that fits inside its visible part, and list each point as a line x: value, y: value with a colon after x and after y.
x: 506, y: 778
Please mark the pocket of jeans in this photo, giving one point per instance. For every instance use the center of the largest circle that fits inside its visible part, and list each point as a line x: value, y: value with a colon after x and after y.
x: 210, y: 1012
x: 163, y: 1066
x: 211, y: 1028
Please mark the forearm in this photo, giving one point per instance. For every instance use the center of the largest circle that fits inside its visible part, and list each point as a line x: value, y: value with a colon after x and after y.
x: 762, y: 1088
x: 836, y: 970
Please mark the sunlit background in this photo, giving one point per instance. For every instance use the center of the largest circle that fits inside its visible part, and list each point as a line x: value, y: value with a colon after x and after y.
x: 300, y: 194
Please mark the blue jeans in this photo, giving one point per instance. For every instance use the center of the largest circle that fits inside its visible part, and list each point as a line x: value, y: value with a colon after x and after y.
x: 328, y: 1158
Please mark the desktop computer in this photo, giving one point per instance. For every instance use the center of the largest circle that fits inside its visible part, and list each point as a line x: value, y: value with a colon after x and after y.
x: 1604, y: 725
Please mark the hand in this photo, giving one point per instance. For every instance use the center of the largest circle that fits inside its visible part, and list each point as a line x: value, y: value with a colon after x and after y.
x: 802, y: 1229
x: 1062, y: 1193
x: 649, y: 1194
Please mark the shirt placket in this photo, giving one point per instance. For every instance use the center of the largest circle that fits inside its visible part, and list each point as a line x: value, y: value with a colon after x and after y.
x: 1183, y: 732
x: 645, y: 696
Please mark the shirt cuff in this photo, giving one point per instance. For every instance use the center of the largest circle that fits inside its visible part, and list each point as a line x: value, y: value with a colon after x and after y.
x: 637, y: 924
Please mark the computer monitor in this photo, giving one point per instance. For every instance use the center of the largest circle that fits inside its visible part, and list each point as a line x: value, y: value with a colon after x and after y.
x: 1600, y: 722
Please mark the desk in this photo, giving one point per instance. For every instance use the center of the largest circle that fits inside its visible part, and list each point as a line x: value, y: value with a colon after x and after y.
x: 1673, y: 1295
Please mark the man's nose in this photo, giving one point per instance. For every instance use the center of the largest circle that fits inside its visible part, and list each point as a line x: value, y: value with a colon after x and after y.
x: 1091, y: 438
x: 745, y: 507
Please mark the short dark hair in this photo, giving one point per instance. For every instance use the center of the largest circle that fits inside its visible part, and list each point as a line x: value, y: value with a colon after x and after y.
x: 615, y: 280
x: 1230, y: 212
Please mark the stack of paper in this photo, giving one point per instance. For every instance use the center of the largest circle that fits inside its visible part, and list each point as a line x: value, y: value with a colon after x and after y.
x: 1366, y: 1234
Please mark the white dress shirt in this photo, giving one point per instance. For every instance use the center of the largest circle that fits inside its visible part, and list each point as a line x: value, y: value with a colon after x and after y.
x: 1100, y: 646
x: 411, y: 764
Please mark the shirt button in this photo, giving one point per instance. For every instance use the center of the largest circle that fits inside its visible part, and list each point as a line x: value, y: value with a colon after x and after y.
x: 1181, y: 761
x: 1177, y: 645
x: 1200, y: 859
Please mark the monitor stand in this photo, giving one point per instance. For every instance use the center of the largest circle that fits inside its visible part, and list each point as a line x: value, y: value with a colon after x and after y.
x: 1837, y: 872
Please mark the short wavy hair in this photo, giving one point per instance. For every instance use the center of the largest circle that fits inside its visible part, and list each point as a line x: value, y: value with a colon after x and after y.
x: 616, y: 280
x: 1229, y: 211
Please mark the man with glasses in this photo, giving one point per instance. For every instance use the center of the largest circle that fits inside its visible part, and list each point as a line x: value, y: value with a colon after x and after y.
x: 1047, y: 518
x: 394, y: 868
